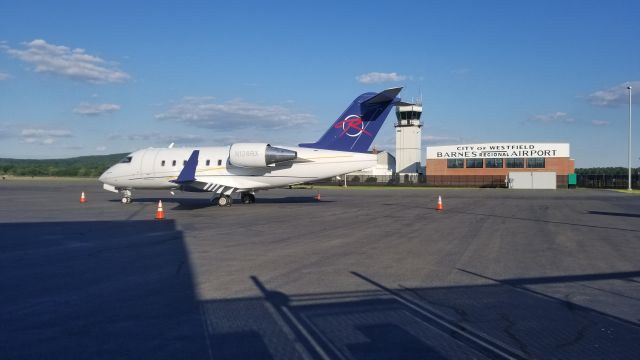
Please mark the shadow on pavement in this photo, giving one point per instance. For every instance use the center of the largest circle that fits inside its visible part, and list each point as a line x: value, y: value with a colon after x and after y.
x: 201, y: 203
x: 124, y: 289
x: 613, y: 213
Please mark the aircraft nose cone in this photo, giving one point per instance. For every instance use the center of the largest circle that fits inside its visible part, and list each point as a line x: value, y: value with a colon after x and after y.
x: 103, y: 178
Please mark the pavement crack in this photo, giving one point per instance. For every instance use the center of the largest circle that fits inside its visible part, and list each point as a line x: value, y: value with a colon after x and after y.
x: 586, y: 323
x: 509, y: 331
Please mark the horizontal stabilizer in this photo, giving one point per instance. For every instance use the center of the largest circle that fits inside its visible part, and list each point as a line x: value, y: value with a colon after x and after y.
x: 384, y: 96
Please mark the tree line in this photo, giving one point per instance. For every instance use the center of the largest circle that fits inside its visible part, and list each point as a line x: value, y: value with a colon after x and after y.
x: 606, y: 171
x: 85, y: 166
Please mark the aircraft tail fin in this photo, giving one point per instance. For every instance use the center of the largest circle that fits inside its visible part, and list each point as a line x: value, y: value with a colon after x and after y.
x: 359, y: 124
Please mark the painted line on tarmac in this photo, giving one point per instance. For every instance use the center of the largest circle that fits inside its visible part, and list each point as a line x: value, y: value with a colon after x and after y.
x: 433, y: 318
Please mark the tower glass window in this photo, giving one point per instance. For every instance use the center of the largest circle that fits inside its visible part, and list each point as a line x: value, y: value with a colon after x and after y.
x: 535, y: 163
x: 474, y: 163
x: 455, y: 163
x: 494, y: 163
x: 515, y: 163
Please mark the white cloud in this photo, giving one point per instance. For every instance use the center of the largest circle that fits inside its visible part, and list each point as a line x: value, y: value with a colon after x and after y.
x: 614, y: 96
x: 75, y: 64
x: 379, y: 77
x: 205, y: 112
x: 43, y: 136
x: 95, y: 109
x: 599, y: 122
x: 157, y: 137
x: 101, y: 148
x: 4, y: 76
x: 73, y: 147
x: 551, y: 118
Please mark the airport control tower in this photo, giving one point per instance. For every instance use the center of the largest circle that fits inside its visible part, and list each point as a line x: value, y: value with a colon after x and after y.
x: 408, y: 138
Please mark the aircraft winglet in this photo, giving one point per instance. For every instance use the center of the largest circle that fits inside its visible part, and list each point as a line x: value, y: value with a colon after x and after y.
x: 188, y: 173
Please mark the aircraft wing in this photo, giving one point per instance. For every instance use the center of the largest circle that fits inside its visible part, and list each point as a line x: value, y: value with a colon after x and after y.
x: 188, y: 181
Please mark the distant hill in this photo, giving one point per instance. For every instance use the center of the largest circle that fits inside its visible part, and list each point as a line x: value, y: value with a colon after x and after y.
x: 89, y: 166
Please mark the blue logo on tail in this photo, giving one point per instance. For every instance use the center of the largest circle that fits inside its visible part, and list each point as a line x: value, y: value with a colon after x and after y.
x: 356, y: 128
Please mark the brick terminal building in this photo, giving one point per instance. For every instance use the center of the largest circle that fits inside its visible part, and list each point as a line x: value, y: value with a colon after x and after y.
x: 497, y: 164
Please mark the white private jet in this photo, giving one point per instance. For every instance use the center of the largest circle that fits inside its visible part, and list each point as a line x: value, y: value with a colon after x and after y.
x: 248, y: 167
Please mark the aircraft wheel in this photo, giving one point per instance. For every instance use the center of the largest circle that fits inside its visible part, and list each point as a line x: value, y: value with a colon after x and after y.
x: 126, y: 200
x: 248, y: 198
x: 225, y: 200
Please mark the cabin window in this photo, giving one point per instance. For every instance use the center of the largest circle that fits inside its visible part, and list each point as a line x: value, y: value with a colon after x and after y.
x: 208, y: 162
x: 219, y: 162
x: 126, y: 160
x: 162, y: 163
x: 184, y: 162
x: 173, y: 163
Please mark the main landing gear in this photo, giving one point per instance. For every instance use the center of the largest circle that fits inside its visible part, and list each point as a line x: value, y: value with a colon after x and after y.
x: 126, y: 196
x: 227, y: 200
x: 222, y: 200
x: 247, y: 198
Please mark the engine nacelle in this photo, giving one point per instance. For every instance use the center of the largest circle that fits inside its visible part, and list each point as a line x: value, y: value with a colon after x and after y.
x: 258, y: 155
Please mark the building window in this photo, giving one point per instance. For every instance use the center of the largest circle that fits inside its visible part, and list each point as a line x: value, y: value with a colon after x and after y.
x: 474, y: 163
x: 494, y: 163
x: 208, y: 162
x: 162, y: 163
x: 173, y: 163
x: 515, y: 163
x: 535, y: 163
x: 219, y: 162
x: 455, y: 163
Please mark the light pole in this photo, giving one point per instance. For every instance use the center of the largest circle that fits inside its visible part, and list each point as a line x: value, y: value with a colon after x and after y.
x: 629, y: 158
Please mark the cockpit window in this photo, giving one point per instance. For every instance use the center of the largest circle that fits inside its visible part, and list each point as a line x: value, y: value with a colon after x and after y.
x: 126, y: 160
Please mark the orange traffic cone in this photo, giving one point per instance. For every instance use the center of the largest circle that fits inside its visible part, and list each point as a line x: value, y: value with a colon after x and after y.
x: 439, y: 206
x: 160, y: 211
x: 83, y: 199
x: 317, y: 197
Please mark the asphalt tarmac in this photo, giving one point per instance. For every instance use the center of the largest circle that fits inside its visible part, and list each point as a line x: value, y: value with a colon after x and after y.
x: 361, y: 274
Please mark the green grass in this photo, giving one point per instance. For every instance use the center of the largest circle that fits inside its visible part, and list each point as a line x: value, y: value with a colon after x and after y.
x: 634, y: 192
x: 389, y: 187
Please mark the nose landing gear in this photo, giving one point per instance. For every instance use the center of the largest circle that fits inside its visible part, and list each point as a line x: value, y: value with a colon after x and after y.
x: 126, y: 196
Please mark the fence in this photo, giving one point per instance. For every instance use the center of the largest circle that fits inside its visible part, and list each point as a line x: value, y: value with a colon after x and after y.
x: 418, y: 180
x: 608, y: 181
x: 478, y: 181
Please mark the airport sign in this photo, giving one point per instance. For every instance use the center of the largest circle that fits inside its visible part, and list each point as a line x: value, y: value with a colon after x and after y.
x: 498, y: 150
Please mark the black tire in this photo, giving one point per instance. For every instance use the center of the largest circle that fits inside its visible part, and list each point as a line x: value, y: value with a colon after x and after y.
x: 225, y: 200
x: 222, y: 201
x: 247, y: 198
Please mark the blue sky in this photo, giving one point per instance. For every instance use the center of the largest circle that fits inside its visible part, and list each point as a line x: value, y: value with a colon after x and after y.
x: 83, y: 77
